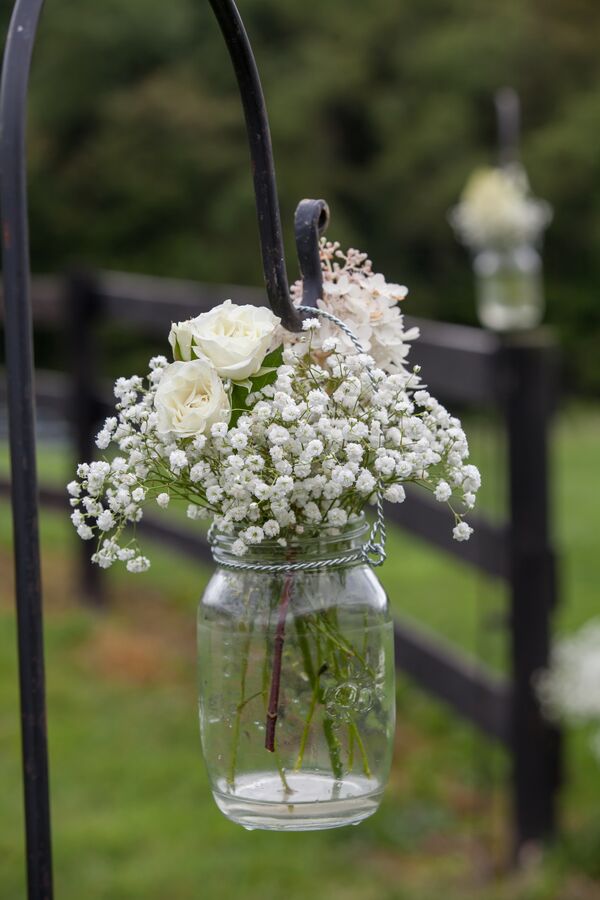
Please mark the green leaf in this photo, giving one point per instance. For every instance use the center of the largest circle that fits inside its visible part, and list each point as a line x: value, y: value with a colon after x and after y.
x: 264, y: 370
x: 274, y: 358
x: 268, y: 371
x: 265, y: 375
x: 239, y: 392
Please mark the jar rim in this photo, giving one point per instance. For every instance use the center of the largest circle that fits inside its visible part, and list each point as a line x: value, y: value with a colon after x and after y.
x: 323, y: 542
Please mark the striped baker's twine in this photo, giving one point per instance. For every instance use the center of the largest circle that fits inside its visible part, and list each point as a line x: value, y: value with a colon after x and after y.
x: 372, y: 552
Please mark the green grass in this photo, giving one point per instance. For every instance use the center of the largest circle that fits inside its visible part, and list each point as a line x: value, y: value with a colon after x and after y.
x: 132, y: 813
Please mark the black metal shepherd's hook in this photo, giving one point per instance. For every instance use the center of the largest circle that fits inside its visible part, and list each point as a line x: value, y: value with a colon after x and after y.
x: 311, y: 215
x: 508, y: 116
x: 311, y: 219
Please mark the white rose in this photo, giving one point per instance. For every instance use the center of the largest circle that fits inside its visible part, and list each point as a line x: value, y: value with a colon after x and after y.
x: 190, y: 397
x: 234, y: 338
x: 181, y: 336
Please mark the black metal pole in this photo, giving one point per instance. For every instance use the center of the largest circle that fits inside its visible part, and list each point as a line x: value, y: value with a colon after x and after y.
x: 263, y: 166
x: 19, y: 357
x: 308, y: 227
x: 508, y: 115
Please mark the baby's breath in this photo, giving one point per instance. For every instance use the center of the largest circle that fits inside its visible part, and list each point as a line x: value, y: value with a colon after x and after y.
x: 313, y: 442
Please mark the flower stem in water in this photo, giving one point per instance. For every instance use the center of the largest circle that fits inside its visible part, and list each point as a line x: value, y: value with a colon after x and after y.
x: 361, y: 747
x: 333, y: 744
x: 272, y: 711
x: 240, y: 706
x: 311, y: 712
x: 334, y: 748
x: 350, y: 748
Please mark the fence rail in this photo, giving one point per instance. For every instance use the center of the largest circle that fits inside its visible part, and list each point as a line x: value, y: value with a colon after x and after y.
x: 516, y: 377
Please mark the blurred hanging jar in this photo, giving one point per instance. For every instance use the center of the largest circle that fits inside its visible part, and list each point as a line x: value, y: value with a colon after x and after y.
x: 502, y: 225
x: 510, y: 294
x: 296, y: 670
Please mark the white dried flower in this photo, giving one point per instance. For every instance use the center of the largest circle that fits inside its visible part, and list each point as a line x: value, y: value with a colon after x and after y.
x: 337, y: 517
x: 462, y: 532
x: 443, y: 491
x: 395, y: 493
x: 105, y: 520
x: 74, y: 489
x: 138, y: 564
x: 311, y: 324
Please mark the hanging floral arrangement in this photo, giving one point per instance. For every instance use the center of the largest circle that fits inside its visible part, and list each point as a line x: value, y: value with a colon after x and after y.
x: 502, y: 224
x: 283, y: 441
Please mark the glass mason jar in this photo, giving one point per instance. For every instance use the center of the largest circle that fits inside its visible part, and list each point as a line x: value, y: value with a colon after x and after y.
x: 296, y: 672
x: 510, y: 294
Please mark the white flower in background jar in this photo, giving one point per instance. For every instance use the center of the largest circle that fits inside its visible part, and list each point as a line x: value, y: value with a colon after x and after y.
x: 499, y: 220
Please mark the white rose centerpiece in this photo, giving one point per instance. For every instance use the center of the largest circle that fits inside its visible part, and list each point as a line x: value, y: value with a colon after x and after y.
x: 273, y: 434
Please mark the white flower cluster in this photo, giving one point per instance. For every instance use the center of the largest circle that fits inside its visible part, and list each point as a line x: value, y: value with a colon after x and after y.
x: 496, y: 209
x: 308, y: 440
x: 570, y: 688
x: 366, y: 303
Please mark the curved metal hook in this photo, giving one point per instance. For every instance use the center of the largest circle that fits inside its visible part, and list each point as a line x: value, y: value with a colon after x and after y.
x: 263, y: 172
x: 310, y: 221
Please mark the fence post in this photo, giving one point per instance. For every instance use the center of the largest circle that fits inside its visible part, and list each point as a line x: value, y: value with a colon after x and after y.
x: 82, y: 312
x: 530, y: 370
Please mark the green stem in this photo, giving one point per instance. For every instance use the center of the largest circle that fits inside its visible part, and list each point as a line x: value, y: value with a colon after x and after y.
x: 273, y: 707
x: 350, y: 748
x: 250, y: 698
x: 330, y: 734
x: 333, y: 744
x: 334, y: 749
x: 240, y: 707
x: 325, y: 627
x: 281, y: 771
x: 361, y: 747
x: 352, y: 727
x: 307, y: 724
x: 300, y: 626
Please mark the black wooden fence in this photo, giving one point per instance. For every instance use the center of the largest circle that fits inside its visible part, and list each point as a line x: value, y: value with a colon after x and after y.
x: 515, y: 376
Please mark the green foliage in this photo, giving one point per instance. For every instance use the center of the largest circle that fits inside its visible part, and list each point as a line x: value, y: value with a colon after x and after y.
x: 139, y: 157
x: 132, y: 812
x: 267, y: 374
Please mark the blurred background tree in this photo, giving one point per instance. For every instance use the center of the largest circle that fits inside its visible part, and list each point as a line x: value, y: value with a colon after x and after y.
x: 139, y: 158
